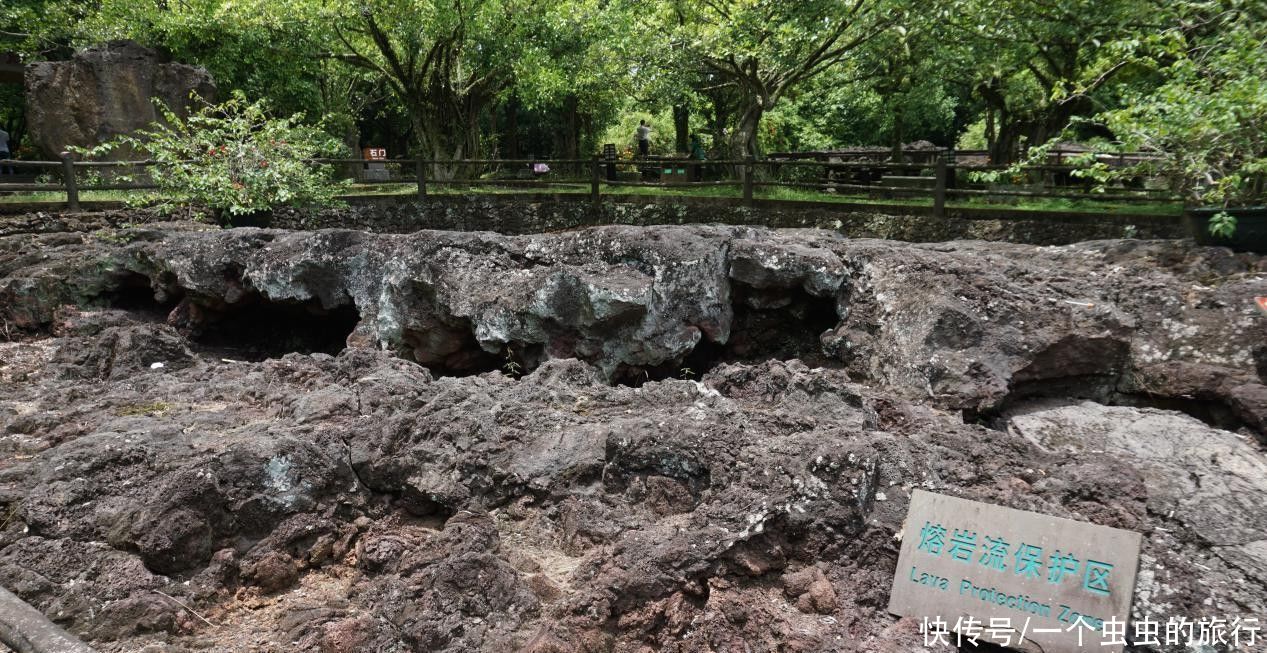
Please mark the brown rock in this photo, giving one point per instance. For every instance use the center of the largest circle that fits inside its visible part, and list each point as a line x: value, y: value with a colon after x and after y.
x: 104, y: 92
x: 273, y: 572
x: 543, y: 587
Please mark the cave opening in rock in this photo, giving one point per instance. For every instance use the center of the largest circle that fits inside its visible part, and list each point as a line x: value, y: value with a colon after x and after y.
x: 768, y: 324
x: 779, y: 324
x: 453, y: 350
x: 134, y: 292
x: 257, y: 328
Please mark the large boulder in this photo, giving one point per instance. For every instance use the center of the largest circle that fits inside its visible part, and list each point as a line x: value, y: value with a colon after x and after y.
x: 103, y: 92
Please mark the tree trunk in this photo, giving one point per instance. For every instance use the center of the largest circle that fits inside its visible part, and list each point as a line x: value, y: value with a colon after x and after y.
x: 1055, y: 121
x: 1006, y: 144
x: 571, y: 129
x: 494, y: 130
x: 681, y: 128
x: 720, y: 117
x: 352, y: 140
x: 896, y: 154
x: 445, y: 130
x: 743, y: 142
x: 512, y: 127
x: 990, y: 136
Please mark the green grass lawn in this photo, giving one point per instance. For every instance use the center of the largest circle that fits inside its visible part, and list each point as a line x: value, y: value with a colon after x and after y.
x: 785, y: 194
x: 59, y: 197
x: 1088, y: 205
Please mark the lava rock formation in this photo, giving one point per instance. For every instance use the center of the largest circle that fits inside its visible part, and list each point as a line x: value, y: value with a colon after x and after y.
x: 608, y: 439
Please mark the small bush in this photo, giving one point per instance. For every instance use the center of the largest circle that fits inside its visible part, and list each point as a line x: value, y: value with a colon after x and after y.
x: 235, y: 159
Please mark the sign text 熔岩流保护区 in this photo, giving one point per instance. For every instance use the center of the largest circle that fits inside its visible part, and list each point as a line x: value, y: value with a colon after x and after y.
x: 1053, y: 581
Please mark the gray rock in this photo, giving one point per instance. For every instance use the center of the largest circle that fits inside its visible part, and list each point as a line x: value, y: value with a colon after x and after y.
x: 1207, y: 482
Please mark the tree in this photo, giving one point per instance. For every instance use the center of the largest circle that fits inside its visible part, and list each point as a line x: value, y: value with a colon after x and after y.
x: 1207, y: 120
x: 253, y: 46
x: 1039, y: 63
x: 444, y: 61
x: 765, y: 49
x: 574, y: 70
x: 41, y: 27
x: 911, y: 71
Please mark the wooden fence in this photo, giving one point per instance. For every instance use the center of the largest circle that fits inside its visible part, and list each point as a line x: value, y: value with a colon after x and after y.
x: 936, y: 180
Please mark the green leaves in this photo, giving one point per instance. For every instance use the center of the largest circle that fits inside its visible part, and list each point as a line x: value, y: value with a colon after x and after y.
x: 1222, y: 225
x: 1182, y: 78
x: 235, y: 158
x: 1208, y: 116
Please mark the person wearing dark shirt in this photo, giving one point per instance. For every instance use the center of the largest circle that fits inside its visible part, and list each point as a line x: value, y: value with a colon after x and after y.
x: 697, y: 154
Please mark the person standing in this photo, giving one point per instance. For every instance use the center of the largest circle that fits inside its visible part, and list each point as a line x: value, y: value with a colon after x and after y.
x: 698, y: 155
x: 697, y: 148
x: 643, y: 136
x: 5, y: 153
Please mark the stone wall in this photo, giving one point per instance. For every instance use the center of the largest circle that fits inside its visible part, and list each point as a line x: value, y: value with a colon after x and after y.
x: 546, y: 213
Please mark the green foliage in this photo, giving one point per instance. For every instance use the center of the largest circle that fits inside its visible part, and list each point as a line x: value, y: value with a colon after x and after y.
x: 245, y: 44
x: 1222, y: 224
x: 41, y: 27
x: 445, y: 63
x: 1036, y: 64
x: 1182, y: 78
x: 764, y: 51
x: 1208, y: 117
x: 973, y: 137
x: 235, y: 159
x: 621, y: 130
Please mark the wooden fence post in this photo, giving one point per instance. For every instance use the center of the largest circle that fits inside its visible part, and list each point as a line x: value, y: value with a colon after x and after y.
x: 421, y: 172
x: 939, y: 190
x: 747, y: 180
x: 68, y: 175
x: 595, y: 199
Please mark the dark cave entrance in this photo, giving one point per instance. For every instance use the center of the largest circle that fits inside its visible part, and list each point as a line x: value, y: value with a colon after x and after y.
x: 135, y: 294
x: 253, y: 328
x: 452, y: 350
x: 256, y: 328
x: 768, y: 324
x: 779, y: 324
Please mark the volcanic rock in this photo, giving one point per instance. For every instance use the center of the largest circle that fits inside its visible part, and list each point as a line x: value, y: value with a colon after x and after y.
x: 610, y: 439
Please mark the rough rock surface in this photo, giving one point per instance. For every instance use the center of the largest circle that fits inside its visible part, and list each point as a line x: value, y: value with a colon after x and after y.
x: 611, y: 439
x: 103, y: 92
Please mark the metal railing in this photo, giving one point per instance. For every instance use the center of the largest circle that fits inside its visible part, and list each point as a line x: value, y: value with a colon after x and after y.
x: 937, y: 180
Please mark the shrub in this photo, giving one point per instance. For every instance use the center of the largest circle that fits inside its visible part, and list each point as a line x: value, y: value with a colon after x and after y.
x: 236, y: 159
